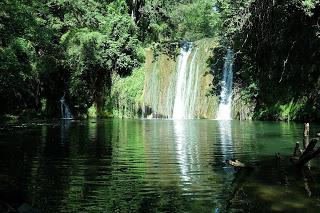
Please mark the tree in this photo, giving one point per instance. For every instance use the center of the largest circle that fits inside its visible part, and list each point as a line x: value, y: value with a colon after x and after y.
x: 278, y: 50
x: 20, y: 25
x: 104, y: 42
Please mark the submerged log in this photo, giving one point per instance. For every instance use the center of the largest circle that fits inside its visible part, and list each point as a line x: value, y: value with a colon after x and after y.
x: 308, y: 153
x: 296, y: 151
x: 302, y: 157
x: 307, y: 157
x: 306, y: 142
x: 306, y: 130
x: 310, y: 147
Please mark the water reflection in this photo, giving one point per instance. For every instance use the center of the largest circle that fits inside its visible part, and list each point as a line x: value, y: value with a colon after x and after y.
x: 227, y: 151
x: 148, y: 165
x: 64, y: 131
x: 186, y: 150
x: 199, y: 173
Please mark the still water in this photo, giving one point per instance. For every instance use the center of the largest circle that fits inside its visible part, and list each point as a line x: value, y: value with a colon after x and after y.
x: 158, y: 166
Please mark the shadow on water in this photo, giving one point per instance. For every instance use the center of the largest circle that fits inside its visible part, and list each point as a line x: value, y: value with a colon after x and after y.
x: 275, y: 186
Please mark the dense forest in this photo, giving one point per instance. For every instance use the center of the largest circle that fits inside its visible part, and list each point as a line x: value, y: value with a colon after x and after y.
x: 86, y: 48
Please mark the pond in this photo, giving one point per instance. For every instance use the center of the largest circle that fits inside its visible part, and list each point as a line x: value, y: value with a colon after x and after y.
x: 116, y: 165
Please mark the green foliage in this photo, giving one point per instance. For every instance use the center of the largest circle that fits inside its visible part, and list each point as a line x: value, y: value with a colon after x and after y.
x: 126, y: 94
x: 102, y: 41
x: 18, y: 74
x: 43, y: 105
x: 280, y: 59
x: 92, y: 112
x: 196, y: 20
x: 292, y: 110
x: 249, y: 93
x: 170, y: 21
x: 234, y: 15
x: 154, y: 20
x: 308, y: 5
x: 54, y: 46
x: 25, y: 44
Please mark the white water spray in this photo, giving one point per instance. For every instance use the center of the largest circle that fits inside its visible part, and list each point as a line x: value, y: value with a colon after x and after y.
x: 186, y: 84
x: 224, y: 111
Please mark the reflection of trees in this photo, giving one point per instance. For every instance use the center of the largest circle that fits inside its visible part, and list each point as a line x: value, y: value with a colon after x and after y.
x: 128, y: 168
x: 52, y: 174
x: 18, y: 149
x: 91, y: 166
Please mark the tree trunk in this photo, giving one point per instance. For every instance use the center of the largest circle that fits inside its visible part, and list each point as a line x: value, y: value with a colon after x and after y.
x: 102, y: 87
x: 99, y: 103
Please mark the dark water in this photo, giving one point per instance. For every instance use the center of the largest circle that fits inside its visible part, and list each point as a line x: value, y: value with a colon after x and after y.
x: 158, y: 166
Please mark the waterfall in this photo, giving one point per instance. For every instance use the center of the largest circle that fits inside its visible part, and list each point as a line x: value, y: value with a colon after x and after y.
x: 178, y: 88
x: 65, y: 110
x: 186, y: 84
x: 224, y: 111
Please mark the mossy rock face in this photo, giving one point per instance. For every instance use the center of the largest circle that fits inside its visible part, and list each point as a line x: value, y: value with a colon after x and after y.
x: 243, y: 107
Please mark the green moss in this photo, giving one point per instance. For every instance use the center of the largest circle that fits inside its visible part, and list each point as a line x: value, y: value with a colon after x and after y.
x: 244, y: 102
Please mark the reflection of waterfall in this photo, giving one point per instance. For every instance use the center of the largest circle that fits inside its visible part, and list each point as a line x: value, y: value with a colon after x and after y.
x: 65, y: 111
x: 65, y: 129
x: 226, y: 140
x: 224, y: 112
x: 186, y: 150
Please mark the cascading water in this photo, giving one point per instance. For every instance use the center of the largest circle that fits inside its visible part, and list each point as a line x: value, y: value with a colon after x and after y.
x: 178, y: 89
x: 186, y: 84
x: 224, y: 111
x: 65, y: 111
